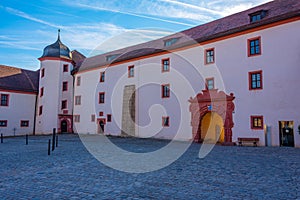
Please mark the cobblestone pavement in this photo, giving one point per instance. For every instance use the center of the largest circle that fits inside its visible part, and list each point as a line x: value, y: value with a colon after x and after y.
x: 70, y: 172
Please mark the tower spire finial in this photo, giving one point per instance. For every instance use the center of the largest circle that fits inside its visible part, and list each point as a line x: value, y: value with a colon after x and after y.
x: 59, y: 34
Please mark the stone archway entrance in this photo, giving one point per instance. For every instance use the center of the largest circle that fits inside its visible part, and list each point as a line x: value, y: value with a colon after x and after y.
x: 212, y: 128
x: 213, y: 102
x: 65, y: 124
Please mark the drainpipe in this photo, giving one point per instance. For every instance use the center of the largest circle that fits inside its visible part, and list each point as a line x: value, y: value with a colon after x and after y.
x: 35, y: 110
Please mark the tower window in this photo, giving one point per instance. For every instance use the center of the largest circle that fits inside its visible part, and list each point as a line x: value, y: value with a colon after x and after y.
x: 101, y: 97
x: 165, y: 90
x: 65, y: 86
x: 66, y: 68
x: 166, y: 121
x: 165, y: 65
x: 42, y: 72
x: 42, y: 92
x: 40, y: 110
x: 102, y: 76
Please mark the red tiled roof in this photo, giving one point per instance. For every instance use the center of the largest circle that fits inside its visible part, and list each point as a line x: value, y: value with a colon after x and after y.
x: 276, y: 11
x: 16, y: 79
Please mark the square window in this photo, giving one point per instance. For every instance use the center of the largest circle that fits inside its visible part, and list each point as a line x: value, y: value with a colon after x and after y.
x: 254, y: 46
x: 66, y: 68
x: 165, y: 65
x: 42, y: 72
x: 165, y: 91
x: 108, y: 117
x: 78, y: 80
x: 255, y: 80
x: 130, y: 71
x: 3, y: 123
x: 40, y: 110
x: 165, y: 121
x: 77, y: 118
x: 4, y: 99
x: 257, y: 122
x: 101, y: 97
x: 101, y: 113
x: 65, y: 86
x: 64, y: 104
x: 24, y: 123
x: 210, y: 83
x: 77, y: 100
x: 209, y: 56
x: 102, y: 77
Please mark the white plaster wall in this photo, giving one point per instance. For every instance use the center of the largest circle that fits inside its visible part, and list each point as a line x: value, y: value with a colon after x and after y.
x: 53, y: 95
x: 277, y: 101
x: 21, y: 107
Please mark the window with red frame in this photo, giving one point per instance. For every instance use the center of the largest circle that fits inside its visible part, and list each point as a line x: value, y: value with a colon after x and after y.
x: 257, y: 122
x: 209, y: 56
x: 165, y: 91
x: 166, y: 121
x: 255, y: 80
x: 101, y: 97
x: 3, y: 123
x: 254, y: 46
x: 4, y: 99
x: 66, y: 68
x: 77, y: 100
x: 40, y: 110
x: 108, y: 117
x: 42, y: 72
x: 131, y: 71
x: 64, y: 104
x: 24, y: 123
x: 102, y: 77
x: 65, y: 86
x: 165, y: 65
x: 101, y: 113
x: 42, y: 92
x: 210, y: 83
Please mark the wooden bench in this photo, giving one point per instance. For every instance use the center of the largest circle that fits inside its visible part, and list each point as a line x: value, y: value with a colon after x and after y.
x: 248, y: 140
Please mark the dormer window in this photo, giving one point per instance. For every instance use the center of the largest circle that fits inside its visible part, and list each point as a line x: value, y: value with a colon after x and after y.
x: 170, y: 42
x: 112, y: 57
x: 257, y: 16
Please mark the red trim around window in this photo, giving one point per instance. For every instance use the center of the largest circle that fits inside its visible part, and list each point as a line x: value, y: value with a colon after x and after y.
x: 65, y: 86
x: 250, y: 80
x: 129, y: 71
x: 163, y: 121
x: 249, y: 48
x: 42, y: 92
x: 77, y: 100
x: 64, y: 104
x: 102, y: 77
x: 5, y: 123
x: 66, y: 67
x: 77, y: 118
x: 101, y: 100
x: 7, y: 100
x: 162, y: 65
x: 205, y: 56
x: 163, y: 95
x: 206, y: 83
x: 24, y: 123
x: 257, y: 127
x: 101, y: 113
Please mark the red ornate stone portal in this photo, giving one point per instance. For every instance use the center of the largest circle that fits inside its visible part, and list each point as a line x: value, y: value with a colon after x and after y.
x: 212, y: 101
x: 68, y: 120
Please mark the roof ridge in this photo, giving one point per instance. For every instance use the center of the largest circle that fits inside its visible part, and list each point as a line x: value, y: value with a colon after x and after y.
x: 30, y: 81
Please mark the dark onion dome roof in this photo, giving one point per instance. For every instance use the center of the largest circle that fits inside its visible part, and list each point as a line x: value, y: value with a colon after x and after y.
x: 57, y: 50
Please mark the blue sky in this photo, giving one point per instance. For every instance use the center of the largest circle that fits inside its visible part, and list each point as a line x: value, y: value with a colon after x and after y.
x: 26, y: 27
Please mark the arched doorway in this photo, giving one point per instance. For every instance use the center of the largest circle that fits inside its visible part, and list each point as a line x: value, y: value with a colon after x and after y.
x: 222, y: 107
x: 212, y: 128
x: 64, y: 126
